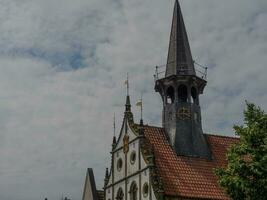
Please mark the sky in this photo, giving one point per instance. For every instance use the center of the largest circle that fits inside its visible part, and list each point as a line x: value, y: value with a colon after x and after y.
x: 62, y: 68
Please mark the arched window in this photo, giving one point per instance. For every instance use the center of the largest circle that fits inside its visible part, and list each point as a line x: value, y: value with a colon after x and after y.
x: 133, y: 191
x: 194, y: 95
x: 182, y: 93
x: 170, y: 95
x: 120, y: 194
x: 145, y: 190
x: 119, y: 164
x: 133, y: 157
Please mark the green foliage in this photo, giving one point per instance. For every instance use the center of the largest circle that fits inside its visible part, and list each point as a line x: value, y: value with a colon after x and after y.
x: 245, y: 177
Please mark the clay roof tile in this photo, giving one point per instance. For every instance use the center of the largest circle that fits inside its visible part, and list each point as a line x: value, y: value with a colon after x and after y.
x: 189, y: 177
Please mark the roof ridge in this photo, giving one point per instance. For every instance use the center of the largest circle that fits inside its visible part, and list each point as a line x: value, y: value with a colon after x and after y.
x: 153, y: 126
x: 224, y: 136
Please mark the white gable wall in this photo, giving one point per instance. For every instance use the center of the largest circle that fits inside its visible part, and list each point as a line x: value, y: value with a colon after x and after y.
x: 137, y: 171
x: 88, y: 193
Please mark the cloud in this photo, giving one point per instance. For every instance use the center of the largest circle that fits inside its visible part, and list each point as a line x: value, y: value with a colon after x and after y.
x: 62, y: 68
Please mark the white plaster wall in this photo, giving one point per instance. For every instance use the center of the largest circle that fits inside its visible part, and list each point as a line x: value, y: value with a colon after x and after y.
x: 145, y: 179
x: 110, y: 179
x: 109, y: 193
x: 120, y: 139
x: 143, y: 162
x: 88, y: 193
x: 130, y: 133
x: 130, y: 181
x: 132, y: 168
x: 116, y: 188
x: 118, y: 175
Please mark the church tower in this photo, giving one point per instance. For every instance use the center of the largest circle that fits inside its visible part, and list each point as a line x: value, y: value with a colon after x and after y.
x: 180, y: 89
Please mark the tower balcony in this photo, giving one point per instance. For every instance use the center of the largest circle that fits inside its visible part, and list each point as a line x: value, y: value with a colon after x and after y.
x: 200, y: 70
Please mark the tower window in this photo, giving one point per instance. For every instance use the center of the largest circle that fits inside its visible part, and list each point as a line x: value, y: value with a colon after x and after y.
x: 170, y: 95
x: 182, y: 93
x: 194, y: 95
x: 119, y: 194
x: 133, y: 191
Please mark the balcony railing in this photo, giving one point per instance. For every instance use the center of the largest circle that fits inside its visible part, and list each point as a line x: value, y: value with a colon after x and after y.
x: 200, y: 70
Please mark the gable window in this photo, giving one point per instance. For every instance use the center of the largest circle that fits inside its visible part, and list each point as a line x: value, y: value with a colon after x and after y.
x: 145, y: 190
x: 133, y: 191
x: 120, y: 194
x: 119, y: 164
x: 133, y: 157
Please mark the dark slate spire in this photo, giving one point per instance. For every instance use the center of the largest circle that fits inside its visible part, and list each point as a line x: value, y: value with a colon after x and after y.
x: 180, y: 90
x: 128, y: 104
x: 180, y: 60
x: 114, y: 142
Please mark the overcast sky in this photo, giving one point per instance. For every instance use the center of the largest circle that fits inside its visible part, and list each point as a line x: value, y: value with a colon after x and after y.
x: 62, y: 68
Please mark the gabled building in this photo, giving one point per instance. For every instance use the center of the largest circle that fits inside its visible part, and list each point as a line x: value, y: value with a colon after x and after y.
x: 177, y: 160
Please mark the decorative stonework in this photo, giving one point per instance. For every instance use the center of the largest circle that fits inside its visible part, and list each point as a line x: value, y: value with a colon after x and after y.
x: 126, y: 144
x: 183, y: 113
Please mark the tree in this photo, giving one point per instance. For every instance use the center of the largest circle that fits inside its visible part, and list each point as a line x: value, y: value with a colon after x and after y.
x: 245, y: 176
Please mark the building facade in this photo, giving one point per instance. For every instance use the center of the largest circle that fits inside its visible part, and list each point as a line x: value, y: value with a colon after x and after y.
x: 177, y: 160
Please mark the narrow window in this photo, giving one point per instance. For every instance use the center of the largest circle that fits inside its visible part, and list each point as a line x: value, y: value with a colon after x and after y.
x: 170, y: 95
x: 194, y: 95
x: 133, y: 191
x: 119, y: 194
x: 133, y: 157
x: 182, y: 93
x: 119, y: 164
x: 145, y: 190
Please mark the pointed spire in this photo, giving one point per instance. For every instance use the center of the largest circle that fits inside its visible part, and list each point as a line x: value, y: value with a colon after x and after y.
x: 114, y: 141
x: 180, y: 60
x: 114, y: 125
x: 106, y: 177
x: 128, y: 102
x: 140, y: 104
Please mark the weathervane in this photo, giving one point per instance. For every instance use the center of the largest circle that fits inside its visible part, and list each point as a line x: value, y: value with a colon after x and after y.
x: 127, y: 84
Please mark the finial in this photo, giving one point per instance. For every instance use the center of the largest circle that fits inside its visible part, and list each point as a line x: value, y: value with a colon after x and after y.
x: 140, y: 104
x: 128, y: 103
x: 114, y: 133
x: 127, y: 84
x: 114, y: 125
x: 106, y: 177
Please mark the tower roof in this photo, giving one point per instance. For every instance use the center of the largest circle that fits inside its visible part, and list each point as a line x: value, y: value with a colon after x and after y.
x: 180, y: 60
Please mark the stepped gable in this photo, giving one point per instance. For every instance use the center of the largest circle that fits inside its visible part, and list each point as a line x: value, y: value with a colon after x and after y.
x: 189, y: 177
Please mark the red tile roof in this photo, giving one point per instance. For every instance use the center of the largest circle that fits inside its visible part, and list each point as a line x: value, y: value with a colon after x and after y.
x: 189, y: 177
